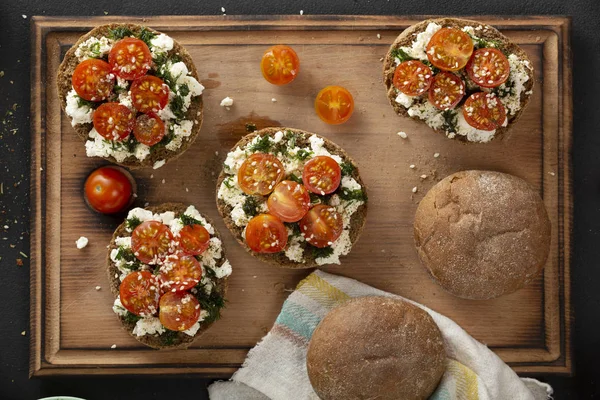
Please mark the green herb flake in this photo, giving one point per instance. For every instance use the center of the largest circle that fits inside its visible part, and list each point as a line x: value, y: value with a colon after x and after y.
x: 347, y: 168
x: 294, y: 178
x: 177, y: 107
x: 295, y: 228
x: 303, y: 154
x: 95, y: 50
x: 132, y: 223
x: 228, y: 182
x: 449, y: 120
x: 131, y: 318
x: 250, y: 206
x: 321, y: 252
x: 211, y: 303
x: 184, y: 90
x: 86, y: 103
x: 350, y: 195
x: 401, y: 55
x: 168, y: 337
x: 146, y: 36
x: 263, y: 145
x: 251, y: 127
x: 119, y: 32
x: 187, y: 220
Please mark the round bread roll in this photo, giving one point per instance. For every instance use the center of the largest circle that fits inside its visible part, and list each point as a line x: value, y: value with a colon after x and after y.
x: 376, y: 348
x: 482, y: 234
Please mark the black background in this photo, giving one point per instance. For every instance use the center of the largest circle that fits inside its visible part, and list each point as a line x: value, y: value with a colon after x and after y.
x: 14, y: 174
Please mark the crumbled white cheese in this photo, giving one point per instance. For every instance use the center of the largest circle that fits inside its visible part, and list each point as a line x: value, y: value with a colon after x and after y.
x: 97, y: 146
x: 148, y: 326
x: 473, y: 134
x: 234, y: 160
x: 428, y: 113
x: 213, y: 253
x: 141, y: 214
x: 417, y: 50
x: 404, y: 100
x: 350, y: 183
x: 118, y: 307
x: 317, y: 146
x: 227, y: 102
x: 125, y: 99
x: 166, y: 217
x: 160, y: 44
x: 79, y: 115
x: 224, y: 270
x: 341, y: 247
x: 277, y: 137
x: 519, y: 74
x: 402, y: 134
x: 294, y: 250
x: 192, y: 212
x: 93, y: 48
x: 81, y: 242
x: 158, y: 164
x: 180, y: 131
x: 193, y: 329
x: 123, y: 241
x: 122, y: 83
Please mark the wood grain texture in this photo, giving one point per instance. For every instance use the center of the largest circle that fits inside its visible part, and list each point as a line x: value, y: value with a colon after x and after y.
x: 72, y: 324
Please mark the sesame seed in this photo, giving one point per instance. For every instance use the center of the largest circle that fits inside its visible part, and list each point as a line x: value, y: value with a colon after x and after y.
x: 411, y: 166
x: 402, y: 134
x: 98, y: 287
x: 414, y: 190
x: 23, y: 333
x: 114, y: 346
x: 423, y: 176
x: 436, y: 155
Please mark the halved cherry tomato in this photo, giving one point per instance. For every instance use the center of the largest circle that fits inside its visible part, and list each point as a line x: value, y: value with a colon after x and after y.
x: 412, y: 77
x: 151, y: 241
x: 334, y: 105
x: 180, y: 272
x: 149, y: 129
x: 322, y: 175
x: 179, y: 310
x: 280, y: 65
x: 139, y: 293
x: 194, y: 239
x: 93, y: 80
x: 149, y: 94
x: 108, y: 190
x: 113, y: 121
x: 446, y: 90
x: 266, y: 234
x: 260, y: 173
x: 289, y: 201
x: 449, y: 49
x: 488, y: 67
x: 130, y: 58
x: 322, y: 225
x: 484, y: 111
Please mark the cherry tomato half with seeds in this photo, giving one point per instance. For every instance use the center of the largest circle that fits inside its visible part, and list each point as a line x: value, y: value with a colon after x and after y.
x: 194, y: 239
x: 93, y: 80
x: 130, y: 58
x: 322, y: 225
x: 449, y: 49
x: 113, y: 121
x: 260, y: 173
x: 484, y: 111
x: 266, y: 234
x: 488, y: 67
x: 108, y: 190
x: 334, y: 105
x: 149, y: 129
x: 149, y: 94
x: 151, y: 241
x: 180, y: 272
x: 280, y: 65
x: 412, y: 77
x: 289, y: 201
x: 139, y: 293
x: 446, y: 90
x: 179, y: 311
x: 322, y: 175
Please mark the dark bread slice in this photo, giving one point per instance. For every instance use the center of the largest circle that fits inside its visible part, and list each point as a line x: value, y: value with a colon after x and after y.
x: 376, y: 348
x: 406, y: 38
x: 482, y: 234
x: 181, y: 340
x: 194, y: 112
x: 357, y: 221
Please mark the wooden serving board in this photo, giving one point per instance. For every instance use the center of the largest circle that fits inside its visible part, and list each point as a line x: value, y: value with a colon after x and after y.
x: 72, y: 324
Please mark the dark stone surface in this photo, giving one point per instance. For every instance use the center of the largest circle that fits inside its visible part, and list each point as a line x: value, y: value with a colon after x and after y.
x: 14, y: 174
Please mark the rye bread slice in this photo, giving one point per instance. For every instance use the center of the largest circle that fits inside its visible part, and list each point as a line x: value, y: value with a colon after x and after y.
x: 406, y: 38
x: 357, y: 221
x: 181, y: 340
x: 194, y: 112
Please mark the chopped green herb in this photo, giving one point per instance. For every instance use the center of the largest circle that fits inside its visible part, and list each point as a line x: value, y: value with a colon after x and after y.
x: 251, y: 127
x: 119, y: 32
x: 132, y: 223
x: 95, y: 49
x: 177, y: 107
x: 303, y: 154
x: 295, y: 227
x: 119, y: 89
x: 131, y: 318
x: 168, y: 337
x: 250, y: 206
x: 291, y: 138
x: 321, y: 252
x: 187, y: 220
x: 314, y: 198
x: 86, y: 103
x: 449, y: 120
x: 263, y: 144
x: 294, y: 178
x: 146, y: 36
x: 212, y: 303
x: 401, y: 55
x: 349, y: 195
x: 347, y: 168
x: 227, y: 182
x: 480, y: 43
x: 127, y: 255
x: 210, y: 273
x: 184, y: 90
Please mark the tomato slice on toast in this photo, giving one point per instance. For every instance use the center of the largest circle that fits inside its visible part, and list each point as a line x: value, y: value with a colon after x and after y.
x: 180, y: 272
x: 412, y: 77
x: 194, y: 239
x: 151, y: 242
x: 139, y: 293
x: 322, y: 225
x: 484, y: 111
x: 113, y: 121
x: 149, y: 94
x: 130, y: 58
x: 260, y: 173
x: 488, y: 67
x: 289, y: 201
x: 149, y: 129
x: 322, y: 175
x: 449, y: 49
x: 446, y: 91
x: 93, y: 80
x: 179, y: 311
x: 266, y: 233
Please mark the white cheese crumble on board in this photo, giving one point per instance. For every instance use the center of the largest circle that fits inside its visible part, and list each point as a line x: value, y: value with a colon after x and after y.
x: 81, y: 242
x: 227, y: 102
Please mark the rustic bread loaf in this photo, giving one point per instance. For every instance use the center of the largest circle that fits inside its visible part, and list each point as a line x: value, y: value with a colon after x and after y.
x: 482, y: 234
x: 376, y: 348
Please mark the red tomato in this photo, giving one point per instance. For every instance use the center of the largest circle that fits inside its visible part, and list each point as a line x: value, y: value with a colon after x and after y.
x: 446, y: 90
x: 113, y: 121
x: 266, y: 234
x: 139, y: 293
x: 180, y: 272
x: 488, y: 67
x: 130, y: 58
x: 108, y: 190
x: 149, y: 129
x: 149, y: 94
x: 93, y: 80
x: 179, y: 310
x: 260, y: 173
x: 334, y: 105
x: 280, y: 65
x: 194, y: 239
x: 322, y: 225
x: 289, y: 201
x: 449, y: 49
x: 151, y: 241
x: 412, y: 77
x: 484, y: 111
x: 322, y: 175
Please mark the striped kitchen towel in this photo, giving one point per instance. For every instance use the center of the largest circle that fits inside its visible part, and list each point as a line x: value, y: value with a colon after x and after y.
x: 276, y: 367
